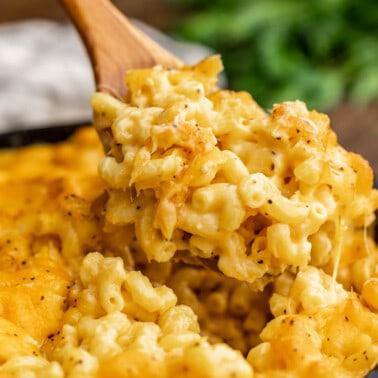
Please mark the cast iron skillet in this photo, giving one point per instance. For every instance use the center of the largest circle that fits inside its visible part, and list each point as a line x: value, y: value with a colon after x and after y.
x: 56, y: 134
x: 52, y: 134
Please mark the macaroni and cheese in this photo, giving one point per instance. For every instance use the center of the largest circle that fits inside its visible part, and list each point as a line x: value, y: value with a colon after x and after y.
x: 194, y: 168
x: 105, y: 273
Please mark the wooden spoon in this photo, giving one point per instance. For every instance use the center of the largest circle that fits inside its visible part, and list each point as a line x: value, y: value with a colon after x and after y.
x: 114, y: 45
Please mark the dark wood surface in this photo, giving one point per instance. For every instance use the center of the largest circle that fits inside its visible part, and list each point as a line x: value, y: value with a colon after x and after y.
x: 357, y: 130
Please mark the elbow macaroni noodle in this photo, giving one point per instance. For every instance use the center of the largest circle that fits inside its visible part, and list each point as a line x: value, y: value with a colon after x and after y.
x: 97, y: 273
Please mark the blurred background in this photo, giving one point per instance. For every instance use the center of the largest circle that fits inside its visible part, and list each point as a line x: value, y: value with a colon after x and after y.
x: 323, y: 52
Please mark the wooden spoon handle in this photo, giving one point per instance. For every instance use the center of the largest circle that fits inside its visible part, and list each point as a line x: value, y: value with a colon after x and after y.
x: 114, y: 45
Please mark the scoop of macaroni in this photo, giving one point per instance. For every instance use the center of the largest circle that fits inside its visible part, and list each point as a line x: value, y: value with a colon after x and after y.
x: 195, y: 170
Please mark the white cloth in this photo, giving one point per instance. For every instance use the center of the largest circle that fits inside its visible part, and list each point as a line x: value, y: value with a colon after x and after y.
x: 45, y: 74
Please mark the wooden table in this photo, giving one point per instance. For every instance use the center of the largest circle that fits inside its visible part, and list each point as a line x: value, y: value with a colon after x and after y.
x: 357, y: 130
